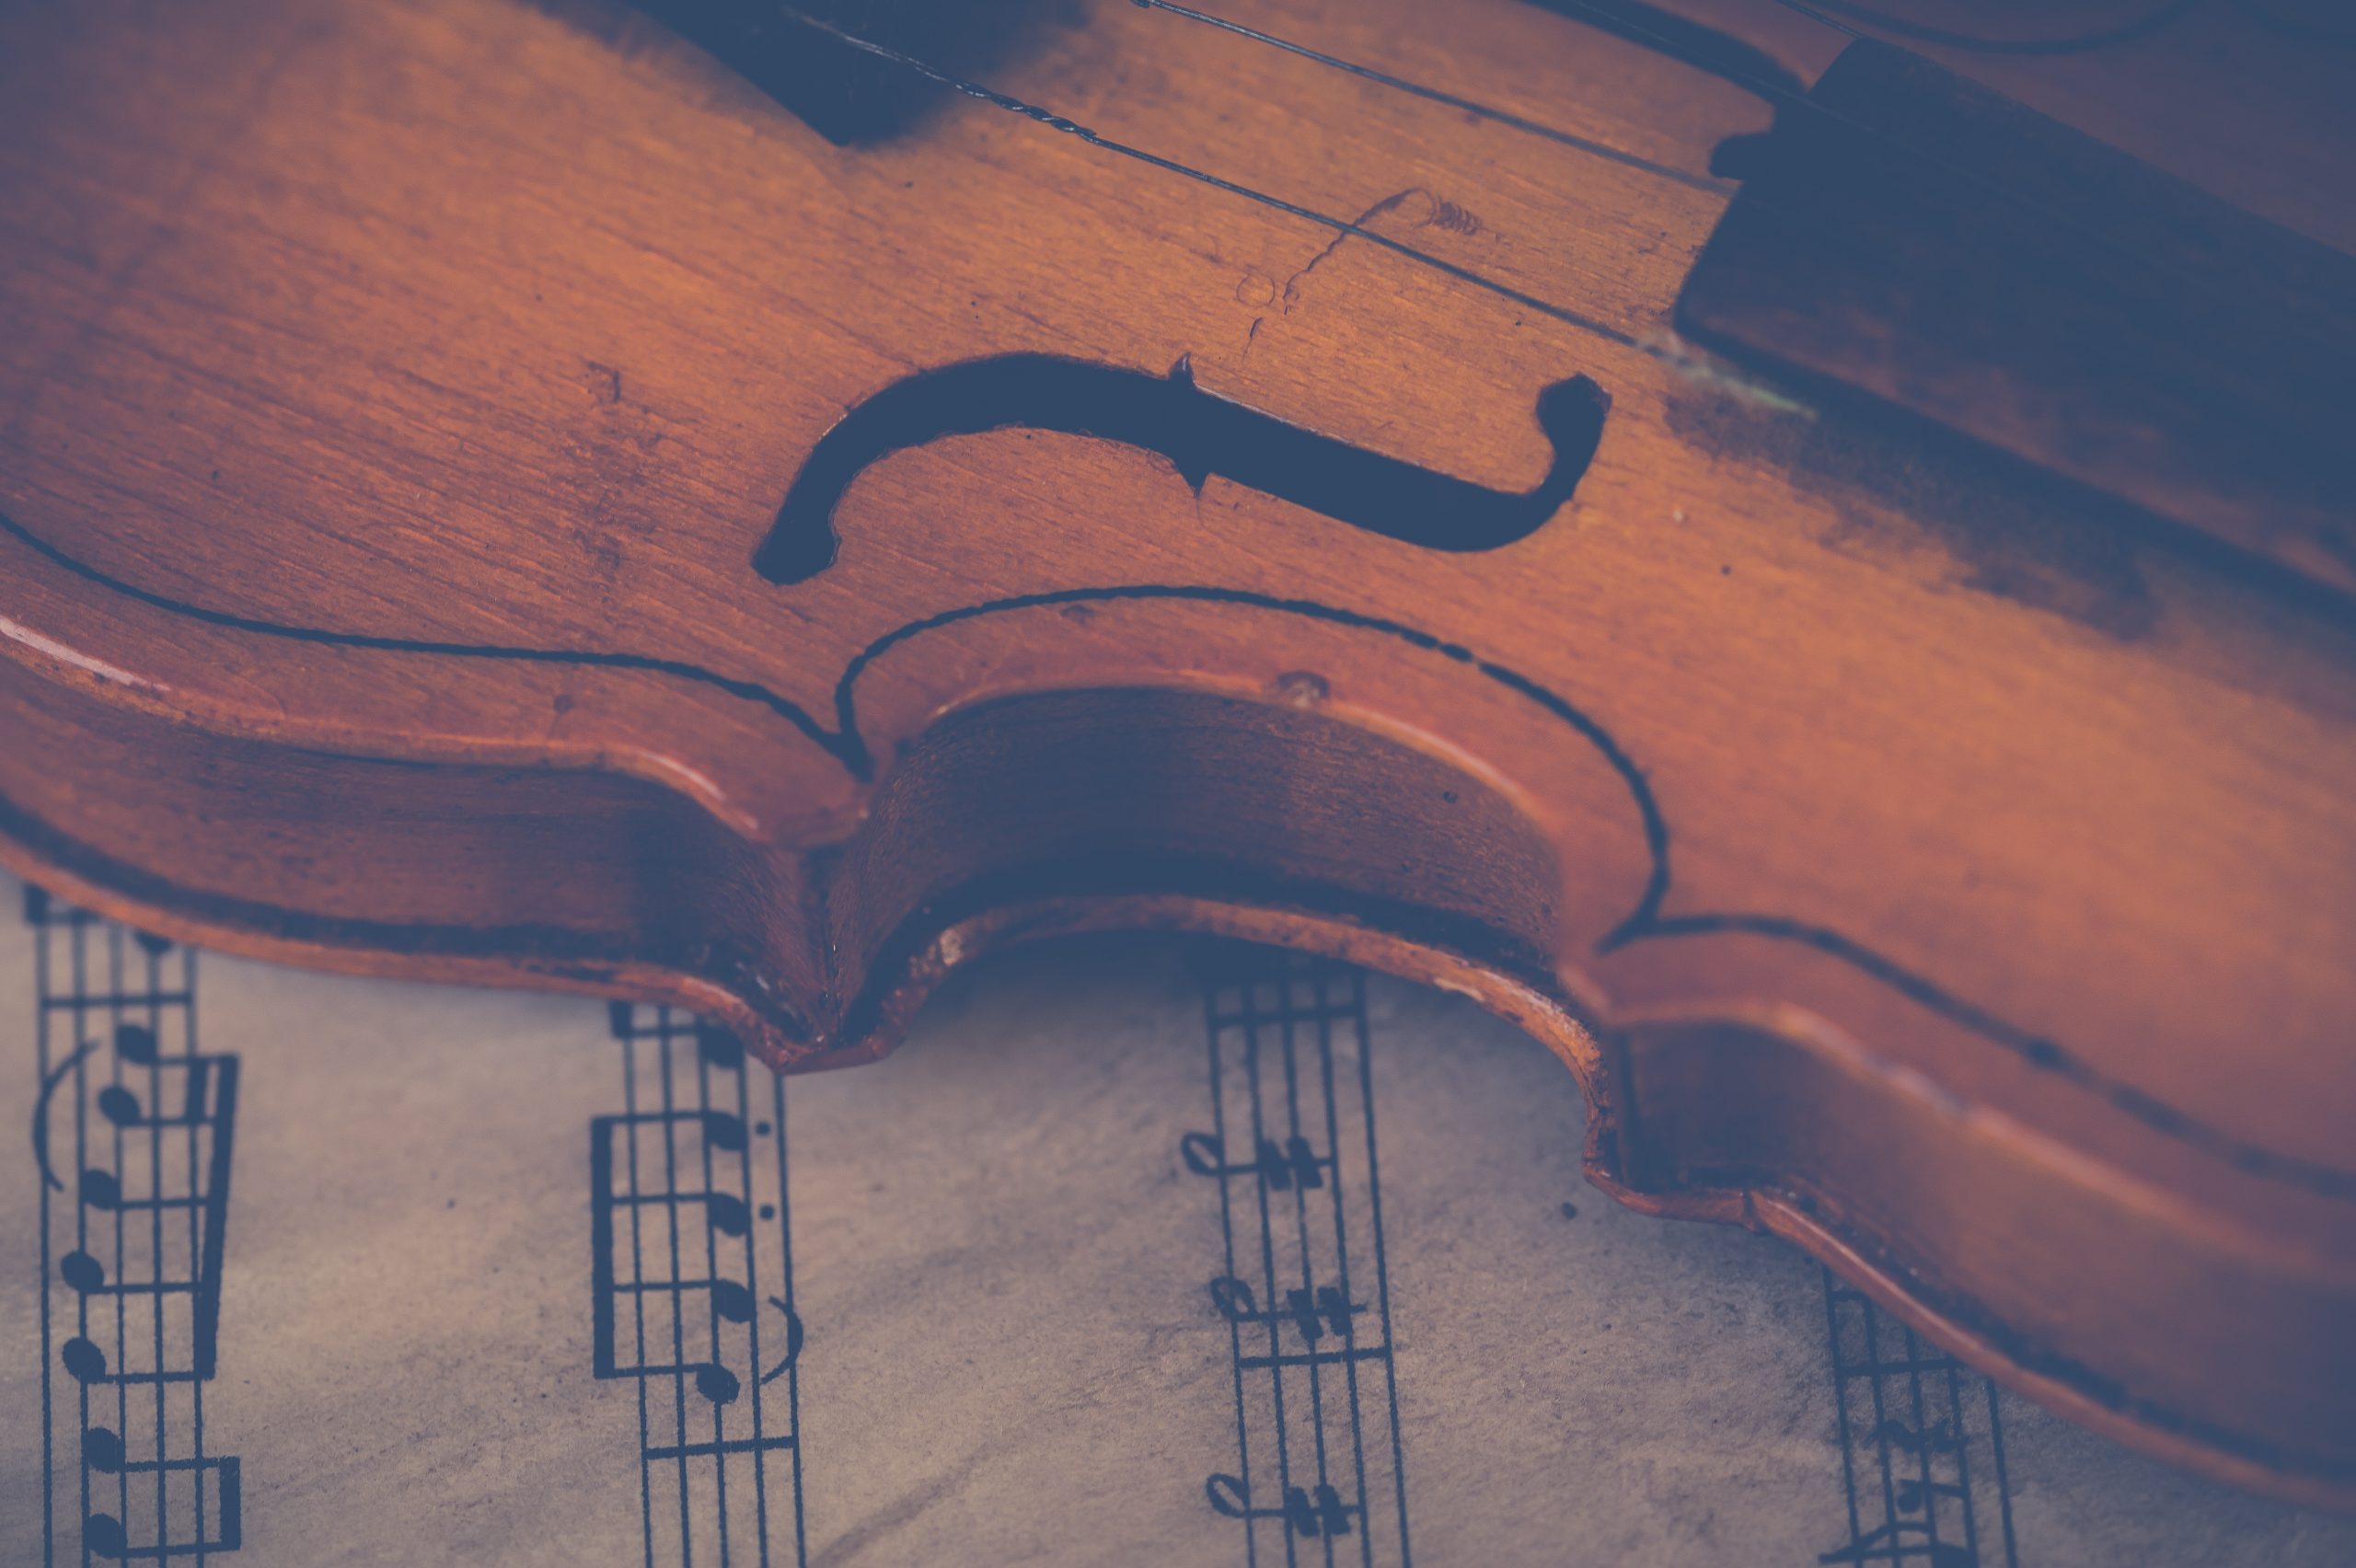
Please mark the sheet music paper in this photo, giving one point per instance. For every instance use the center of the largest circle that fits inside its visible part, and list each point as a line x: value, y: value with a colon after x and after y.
x: 1138, y: 1252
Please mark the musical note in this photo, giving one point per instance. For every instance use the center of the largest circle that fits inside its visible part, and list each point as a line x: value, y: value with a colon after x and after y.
x: 1937, y: 1515
x: 1294, y: 1165
x: 83, y: 1358
x: 725, y: 1213
x: 1311, y: 1513
x: 103, y: 1189
x: 104, y: 1535
x: 719, y: 1128
x: 732, y: 1300
x: 144, y: 1237
x: 1309, y: 1353
x: 1326, y: 1515
x: 209, y: 1103
x: 88, y: 1277
x: 102, y: 1451
x: 675, y: 1195
x: 1330, y: 1304
x: 718, y: 1046
x: 1313, y: 1313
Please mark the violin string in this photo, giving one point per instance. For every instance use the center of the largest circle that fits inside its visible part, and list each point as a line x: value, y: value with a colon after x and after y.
x: 1054, y: 121
x: 1602, y: 16
x: 1611, y: 19
x: 1486, y: 111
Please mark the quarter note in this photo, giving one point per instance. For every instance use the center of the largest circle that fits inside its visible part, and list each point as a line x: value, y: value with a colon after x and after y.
x: 724, y: 1131
x: 718, y: 1047
x: 726, y: 1212
x: 732, y: 1300
x: 105, y: 1535
x: 123, y: 1157
x: 88, y: 1277
x: 716, y: 1383
x: 102, y: 1450
x: 85, y: 1360
x: 103, y: 1189
x: 87, y: 1364
x: 200, y: 1101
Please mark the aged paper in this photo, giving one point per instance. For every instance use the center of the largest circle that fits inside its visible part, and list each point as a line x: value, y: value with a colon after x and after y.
x: 1138, y: 1252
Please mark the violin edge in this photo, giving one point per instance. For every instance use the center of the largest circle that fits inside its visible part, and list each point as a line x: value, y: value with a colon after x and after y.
x: 1645, y: 1145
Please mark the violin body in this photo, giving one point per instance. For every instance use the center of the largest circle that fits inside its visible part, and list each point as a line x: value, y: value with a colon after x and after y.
x: 493, y: 494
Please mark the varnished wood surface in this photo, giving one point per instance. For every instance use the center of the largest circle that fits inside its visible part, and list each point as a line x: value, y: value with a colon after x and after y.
x: 1909, y: 861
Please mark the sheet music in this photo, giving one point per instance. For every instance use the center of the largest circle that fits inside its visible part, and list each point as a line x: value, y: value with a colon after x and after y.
x: 1139, y: 1250
x: 131, y: 1140
x: 690, y: 1262
x: 1291, y: 1151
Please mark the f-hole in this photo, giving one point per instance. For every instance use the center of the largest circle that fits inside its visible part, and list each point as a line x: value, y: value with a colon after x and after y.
x: 1201, y: 434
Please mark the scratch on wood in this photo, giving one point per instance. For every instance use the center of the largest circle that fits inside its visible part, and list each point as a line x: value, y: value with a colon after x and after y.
x: 1444, y: 215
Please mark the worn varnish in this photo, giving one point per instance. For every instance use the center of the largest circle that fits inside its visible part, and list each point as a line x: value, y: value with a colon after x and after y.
x: 1927, y: 837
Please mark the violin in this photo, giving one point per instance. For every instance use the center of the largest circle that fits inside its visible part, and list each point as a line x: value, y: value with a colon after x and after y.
x: 1803, y: 553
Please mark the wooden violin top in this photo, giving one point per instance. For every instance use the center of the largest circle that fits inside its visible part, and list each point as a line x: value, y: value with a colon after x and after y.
x: 488, y: 491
